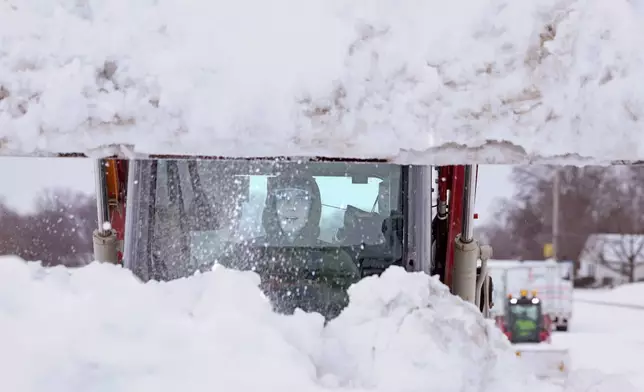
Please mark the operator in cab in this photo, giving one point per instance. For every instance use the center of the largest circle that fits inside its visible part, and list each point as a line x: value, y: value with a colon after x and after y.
x: 297, y: 269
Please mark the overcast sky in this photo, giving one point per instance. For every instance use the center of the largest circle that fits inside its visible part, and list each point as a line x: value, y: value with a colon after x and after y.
x: 21, y: 179
x: 494, y: 183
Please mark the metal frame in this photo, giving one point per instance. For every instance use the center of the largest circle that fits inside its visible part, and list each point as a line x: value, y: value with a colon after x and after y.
x: 455, y: 178
x: 467, y: 282
x: 104, y: 238
x: 469, y: 194
x: 102, y: 207
x: 140, y: 207
x: 415, y: 202
x: 418, y: 213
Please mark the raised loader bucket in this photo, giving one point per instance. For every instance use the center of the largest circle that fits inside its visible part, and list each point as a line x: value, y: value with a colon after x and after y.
x: 546, y: 363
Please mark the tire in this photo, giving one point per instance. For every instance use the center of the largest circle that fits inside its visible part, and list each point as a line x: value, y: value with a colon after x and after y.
x: 562, y: 328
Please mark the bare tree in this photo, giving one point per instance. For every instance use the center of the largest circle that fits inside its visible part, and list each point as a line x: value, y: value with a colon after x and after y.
x: 10, y: 222
x: 591, y: 200
x: 500, y: 239
x: 60, y: 232
x: 620, y: 253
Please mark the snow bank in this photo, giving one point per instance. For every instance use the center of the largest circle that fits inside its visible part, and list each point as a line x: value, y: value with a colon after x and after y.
x: 628, y: 294
x: 604, y: 344
x: 99, y: 329
x: 412, y: 81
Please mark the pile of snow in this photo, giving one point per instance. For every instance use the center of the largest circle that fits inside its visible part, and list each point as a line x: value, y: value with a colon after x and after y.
x: 99, y: 329
x: 420, y: 80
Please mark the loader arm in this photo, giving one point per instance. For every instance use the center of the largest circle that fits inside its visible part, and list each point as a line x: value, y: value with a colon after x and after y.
x: 111, y: 182
x: 455, y: 211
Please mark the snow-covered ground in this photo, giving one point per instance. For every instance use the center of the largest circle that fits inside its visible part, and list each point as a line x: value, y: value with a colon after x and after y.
x: 627, y: 295
x: 99, y: 329
x: 606, y: 346
x: 419, y: 80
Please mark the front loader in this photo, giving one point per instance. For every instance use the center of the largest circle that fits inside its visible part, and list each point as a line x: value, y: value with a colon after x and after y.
x: 530, y: 331
x: 169, y: 217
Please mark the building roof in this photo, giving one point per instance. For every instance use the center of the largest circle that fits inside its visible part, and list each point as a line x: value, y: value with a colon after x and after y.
x: 613, y: 248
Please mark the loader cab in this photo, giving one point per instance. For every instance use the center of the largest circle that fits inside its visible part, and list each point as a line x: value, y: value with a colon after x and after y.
x: 524, y: 320
x: 188, y: 215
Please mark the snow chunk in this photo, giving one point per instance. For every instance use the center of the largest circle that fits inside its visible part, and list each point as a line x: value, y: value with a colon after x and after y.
x: 99, y: 329
x: 406, y: 331
x: 414, y: 81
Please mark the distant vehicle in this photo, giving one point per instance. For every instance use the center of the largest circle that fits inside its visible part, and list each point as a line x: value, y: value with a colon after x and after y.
x: 524, y: 320
x: 545, y: 277
x: 529, y: 330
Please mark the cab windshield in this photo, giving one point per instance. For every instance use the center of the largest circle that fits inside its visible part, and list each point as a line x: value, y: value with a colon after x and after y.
x: 525, y: 321
x: 191, y: 214
x: 525, y: 312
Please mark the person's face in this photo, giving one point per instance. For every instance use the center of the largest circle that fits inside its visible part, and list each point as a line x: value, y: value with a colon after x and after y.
x: 293, y: 206
x: 384, y: 203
